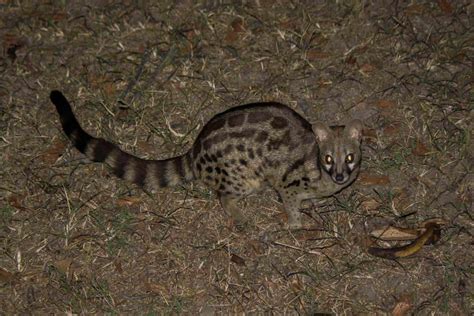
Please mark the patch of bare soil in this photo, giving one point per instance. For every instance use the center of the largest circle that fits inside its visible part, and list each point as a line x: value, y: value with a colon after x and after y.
x: 74, y: 239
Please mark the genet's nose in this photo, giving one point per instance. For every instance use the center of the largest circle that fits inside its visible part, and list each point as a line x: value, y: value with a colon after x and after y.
x: 339, y: 177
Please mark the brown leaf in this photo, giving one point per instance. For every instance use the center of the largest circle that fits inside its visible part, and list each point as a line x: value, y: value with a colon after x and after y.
x: 65, y: 266
x: 6, y: 276
x: 237, y: 26
x: 420, y: 149
x: 366, y: 69
x: 314, y: 54
x: 372, y: 179
x: 370, y: 204
x: 109, y: 89
x: 129, y: 201
x: 369, y: 132
x: 53, y: 152
x: 156, y: 288
x: 391, y: 129
x: 385, y: 104
x: 118, y: 266
x: 15, y: 201
x: 402, y: 307
x: 395, y: 233
x: 59, y: 16
x: 445, y: 6
x: 296, y: 284
x: 231, y: 37
x: 414, y: 9
x: 351, y: 60
x: 237, y: 260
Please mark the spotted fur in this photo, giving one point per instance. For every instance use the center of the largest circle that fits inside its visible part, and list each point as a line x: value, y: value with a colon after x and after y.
x: 239, y: 152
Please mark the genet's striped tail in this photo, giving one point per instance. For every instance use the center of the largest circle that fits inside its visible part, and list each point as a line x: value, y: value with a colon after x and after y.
x: 148, y: 173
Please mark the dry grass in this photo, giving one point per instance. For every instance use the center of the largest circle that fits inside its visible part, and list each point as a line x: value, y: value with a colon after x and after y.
x: 75, y: 239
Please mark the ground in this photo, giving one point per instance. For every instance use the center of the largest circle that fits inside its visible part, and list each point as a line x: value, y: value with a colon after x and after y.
x: 147, y: 75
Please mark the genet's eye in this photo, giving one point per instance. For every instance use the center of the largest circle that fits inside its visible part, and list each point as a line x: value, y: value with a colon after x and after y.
x: 349, y: 158
x: 328, y: 159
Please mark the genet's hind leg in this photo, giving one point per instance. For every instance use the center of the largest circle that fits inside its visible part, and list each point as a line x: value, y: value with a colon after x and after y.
x: 229, y: 204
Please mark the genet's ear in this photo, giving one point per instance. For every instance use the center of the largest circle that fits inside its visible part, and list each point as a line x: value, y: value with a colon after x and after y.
x: 321, y: 130
x: 353, y: 130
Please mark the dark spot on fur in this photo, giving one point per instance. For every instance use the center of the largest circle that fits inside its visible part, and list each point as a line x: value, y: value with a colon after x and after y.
x: 212, y: 126
x: 259, y: 152
x: 209, y: 169
x: 279, y: 122
x: 236, y: 120
x: 197, y: 148
x: 250, y: 153
x: 202, y: 161
x: 198, y: 167
x: 139, y: 169
x: 222, y: 187
x: 240, y: 147
x: 163, y: 180
x: 208, y: 158
x: 178, y: 166
x: 121, y: 162
x: 258, y: 117
x: 261, y: 137
x: 274, y: 144
x: 244, y: 134
x: 102, y: 150
x: 243, y: 162
x: 218, y: 170
x: 298, y: 163
x: 219, y: 154
x: 228, y: 149
x: 225, y: 172
x: 295, y: 183
x: 212, y: 141
x: 214, y: 158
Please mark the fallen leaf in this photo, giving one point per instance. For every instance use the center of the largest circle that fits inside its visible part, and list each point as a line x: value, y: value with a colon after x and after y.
x: 402, y: 307
x: 118, y: 266
x: 237, y: 260
x: 372, y: 179
x: 15, y: 201
x: 351, y: 60
x: 385, y: 104
x: 420, y: 149
x: 156, y: 288
x: 6, y: 276
x: 109, y: 89
x: 445, y: 6
x: 59, y: 16
x: 366, y: 69
x: 391, y: 129
x: 296, y: 284
x: 395, y: 233
x: 370, y: 204
x: 65, y: 266
x: 314, y: 54
x: 129, y: 201
x: 53, y: 152
x: 414, y: 9
x: 369, y: 132
x: 237, y: 27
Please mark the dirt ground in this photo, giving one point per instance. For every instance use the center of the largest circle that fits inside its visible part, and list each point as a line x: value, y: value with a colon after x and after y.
x: 74, y: 239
